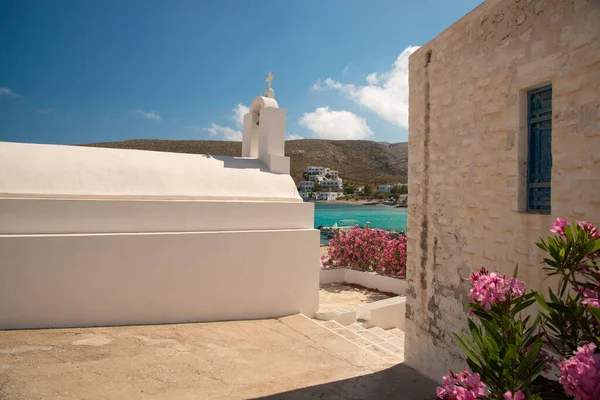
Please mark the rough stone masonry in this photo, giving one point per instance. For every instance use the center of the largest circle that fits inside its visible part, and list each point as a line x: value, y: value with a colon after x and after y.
x: 468, y: 155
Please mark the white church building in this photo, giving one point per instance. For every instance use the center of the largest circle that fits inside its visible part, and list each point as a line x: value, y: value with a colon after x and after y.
x: 92, y: 236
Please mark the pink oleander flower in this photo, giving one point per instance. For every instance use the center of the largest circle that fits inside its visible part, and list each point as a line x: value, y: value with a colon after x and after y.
x: 559, y: 226
x: 489, y: 289
x: 516, y: 396
x: 590, y: 228
x: 580, y: 374
x: 462, y: 386
x: 590, y: 298
x: 517, y: 287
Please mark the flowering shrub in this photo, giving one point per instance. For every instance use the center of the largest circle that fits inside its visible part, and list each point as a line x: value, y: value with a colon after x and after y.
x: 463, y: 385
x: 504, y: 349
x: 368, y: 249
x: 580, y: 374
x: 491, y: 289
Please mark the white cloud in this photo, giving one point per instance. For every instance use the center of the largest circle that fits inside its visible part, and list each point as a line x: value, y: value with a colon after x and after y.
x: 238, y: 114
x: 147, y: 114
x: 225, y: 132
x: 45, y: 111
x: 4, y: 91
x: 294, y: 136
x: 386, y: 93
x: 221, y: 132
x: 338, y: 125
x: 372, y: 79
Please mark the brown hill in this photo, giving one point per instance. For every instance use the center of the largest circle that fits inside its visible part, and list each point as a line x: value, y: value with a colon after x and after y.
x: 358, y: 161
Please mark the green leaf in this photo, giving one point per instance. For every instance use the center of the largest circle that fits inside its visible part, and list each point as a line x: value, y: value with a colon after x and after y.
x: 521, y: 306
x: 595, y: 247
x: 516, y: 271
x: 595, y: 311
x: 528, y: 362
x: 559, y: 307
x: 492, y: 329
x: 471, y: 355
x: 510, y: 356
x: 492, y: 345
x: 541, y: 301
x: 553, y: 297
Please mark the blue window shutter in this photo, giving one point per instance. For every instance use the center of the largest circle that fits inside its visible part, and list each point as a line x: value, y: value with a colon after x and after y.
x: 539, y: 171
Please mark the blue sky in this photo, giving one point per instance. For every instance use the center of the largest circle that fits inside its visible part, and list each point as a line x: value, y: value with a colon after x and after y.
x: 93, y: 71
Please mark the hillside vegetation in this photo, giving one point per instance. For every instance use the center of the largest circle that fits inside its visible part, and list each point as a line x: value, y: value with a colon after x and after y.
x: 358, y: 161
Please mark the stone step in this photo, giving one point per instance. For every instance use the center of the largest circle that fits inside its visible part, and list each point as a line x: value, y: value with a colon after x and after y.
x: 381, y: 332
x: 397, y: 332
x: 384, y: 344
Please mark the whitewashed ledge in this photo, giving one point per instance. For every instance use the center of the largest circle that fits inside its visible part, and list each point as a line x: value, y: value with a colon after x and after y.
x: 370, y: 280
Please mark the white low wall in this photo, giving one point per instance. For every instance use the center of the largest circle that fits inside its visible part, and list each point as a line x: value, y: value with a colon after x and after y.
x: 386, y: 314
x: 332, y: 275
x: 63, y: 280
x: 367, y: 279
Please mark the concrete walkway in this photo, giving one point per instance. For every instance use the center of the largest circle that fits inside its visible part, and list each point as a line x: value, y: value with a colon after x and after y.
x: 291, y: 357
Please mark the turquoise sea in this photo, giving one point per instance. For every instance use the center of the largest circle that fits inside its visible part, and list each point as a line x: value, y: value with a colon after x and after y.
x: 383, y: 217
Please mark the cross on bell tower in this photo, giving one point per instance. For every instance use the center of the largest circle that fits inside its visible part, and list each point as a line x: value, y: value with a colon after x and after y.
x: 270, y: 93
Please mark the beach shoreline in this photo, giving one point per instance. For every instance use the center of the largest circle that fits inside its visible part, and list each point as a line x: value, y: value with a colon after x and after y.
x: 356, y: 203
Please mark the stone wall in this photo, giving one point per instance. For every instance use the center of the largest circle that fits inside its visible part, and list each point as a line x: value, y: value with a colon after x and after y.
x: 468, y: 155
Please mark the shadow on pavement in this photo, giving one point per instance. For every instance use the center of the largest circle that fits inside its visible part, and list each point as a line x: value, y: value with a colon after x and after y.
x: 398, y: 382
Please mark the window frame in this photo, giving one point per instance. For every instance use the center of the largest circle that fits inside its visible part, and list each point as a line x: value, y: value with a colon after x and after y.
x: 530, y: 159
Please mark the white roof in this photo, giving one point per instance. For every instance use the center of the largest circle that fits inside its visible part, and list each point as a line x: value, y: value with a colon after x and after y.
x: 37, y: 170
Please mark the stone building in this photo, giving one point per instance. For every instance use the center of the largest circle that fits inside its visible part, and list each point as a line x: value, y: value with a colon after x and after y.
x: 504, y: 138
x: 92, y: 236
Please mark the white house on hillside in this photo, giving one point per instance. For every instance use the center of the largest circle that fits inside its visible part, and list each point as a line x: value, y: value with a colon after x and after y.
x: 332, y: 174
x: 327, y: 195
x: 306, y: 186
x: 332, y: 184
x: 384, y: 188
x: 316, y: 170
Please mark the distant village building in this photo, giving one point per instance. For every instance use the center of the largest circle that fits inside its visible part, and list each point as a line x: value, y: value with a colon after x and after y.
x: 504, y: 138
x: 327, y: 178
x: 316, y: 170
x: 332, y: 184
x: 306, y: 186
x: 384, y: 188
x: 328, y: 195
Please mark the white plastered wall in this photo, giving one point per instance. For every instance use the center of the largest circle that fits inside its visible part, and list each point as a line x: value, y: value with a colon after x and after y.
x: 147, y: 278
x: 92, y: 237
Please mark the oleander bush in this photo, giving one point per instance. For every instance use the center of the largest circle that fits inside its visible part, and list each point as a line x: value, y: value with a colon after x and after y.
x: 368, y: 249
x: 510, y: 354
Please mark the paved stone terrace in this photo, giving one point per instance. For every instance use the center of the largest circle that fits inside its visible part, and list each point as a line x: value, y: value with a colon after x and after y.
x: 337, y: 298
x: 292, y: 358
